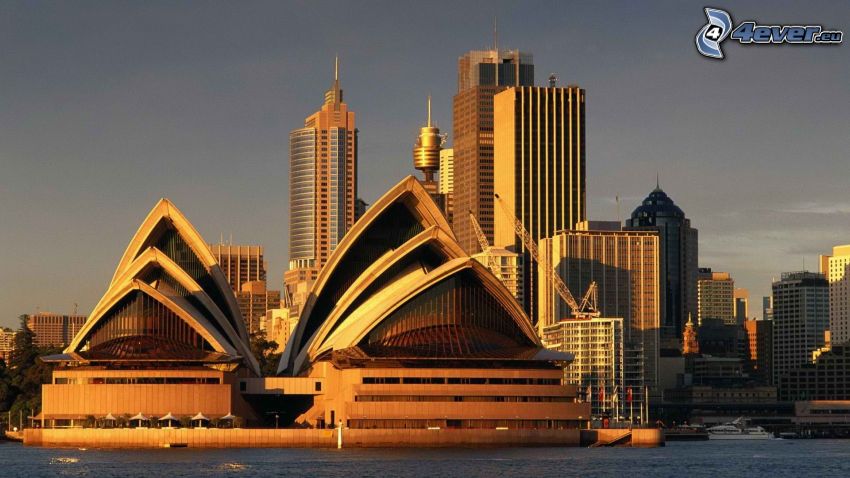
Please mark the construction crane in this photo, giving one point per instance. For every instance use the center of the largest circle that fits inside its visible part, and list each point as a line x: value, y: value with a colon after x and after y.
x: 485, y: 246
x: 588, y: 307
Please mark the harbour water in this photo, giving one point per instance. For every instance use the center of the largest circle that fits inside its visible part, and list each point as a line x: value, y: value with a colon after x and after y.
x: 774, y: 458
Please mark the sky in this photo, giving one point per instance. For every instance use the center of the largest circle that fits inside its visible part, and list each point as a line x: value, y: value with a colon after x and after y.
x: 106, y: 106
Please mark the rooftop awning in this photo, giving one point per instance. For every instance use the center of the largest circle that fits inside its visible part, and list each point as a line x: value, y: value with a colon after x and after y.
x: 200, y: 416
x: 140, y: 416
x: 229, y: 416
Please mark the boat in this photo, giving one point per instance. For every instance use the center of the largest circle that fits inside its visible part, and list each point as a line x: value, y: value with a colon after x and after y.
x: 738, y: 430
x: 686, y: 433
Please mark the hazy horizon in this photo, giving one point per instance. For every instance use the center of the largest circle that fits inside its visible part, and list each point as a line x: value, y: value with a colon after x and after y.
x: 109, y: 106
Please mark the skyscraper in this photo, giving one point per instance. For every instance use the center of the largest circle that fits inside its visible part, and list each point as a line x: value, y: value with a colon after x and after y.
x: 767, y: 307
x: 836, y: 268
x: 742, y: 305
x: 539, y: 169
x: 240, y: 263
x: 481, y: 74
x: 715, y: 296
x: 323, y: 185
x: 679, y: 253
x: 624, y: 265
x: 800, y: 317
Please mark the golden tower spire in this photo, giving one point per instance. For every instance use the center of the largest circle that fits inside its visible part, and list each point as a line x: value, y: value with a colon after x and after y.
x: 334, y: 95
x: 426, y: 152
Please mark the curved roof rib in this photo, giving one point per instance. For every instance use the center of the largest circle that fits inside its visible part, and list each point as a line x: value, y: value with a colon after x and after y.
x: 153, y: 259
x: 398, y: 216
x: 360, y: 323
x: 169, y: 262
x: 165, y: 217
x: 175, y: 304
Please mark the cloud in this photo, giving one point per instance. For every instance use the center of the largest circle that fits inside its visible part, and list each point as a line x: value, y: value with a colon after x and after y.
x: 817, y: 208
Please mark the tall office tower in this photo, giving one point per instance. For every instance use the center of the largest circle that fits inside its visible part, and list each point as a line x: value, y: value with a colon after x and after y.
x: 742, y: 305
x: 800, y: 317
x: 679, y: 253
x: 447, y: 156
x: 240, y: 263
x: 597, y: 345
x: 836, y: 268
x: 760, y: 334
x: 539, y: 169
x: 767, y: 307
x: 481, y: 74
x: 323, y: 185
x: 624, y: 265
x: 715, y: 296
x: 54, y: 330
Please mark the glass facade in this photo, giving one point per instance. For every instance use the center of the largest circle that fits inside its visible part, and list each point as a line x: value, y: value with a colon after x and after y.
x: 175, y: 247
x: 140, y: 327
x: 456, y: 317
x: 337, y: 187
x: 302, y: 183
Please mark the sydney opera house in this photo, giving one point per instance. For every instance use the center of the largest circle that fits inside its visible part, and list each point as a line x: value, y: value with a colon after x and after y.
x: 401, y: 329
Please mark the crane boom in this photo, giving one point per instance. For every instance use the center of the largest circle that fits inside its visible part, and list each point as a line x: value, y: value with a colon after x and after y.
x: 560, y: 287
x: 482, y: 241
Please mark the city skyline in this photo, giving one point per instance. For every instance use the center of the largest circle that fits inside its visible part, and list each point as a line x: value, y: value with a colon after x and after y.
x: 202, y: 111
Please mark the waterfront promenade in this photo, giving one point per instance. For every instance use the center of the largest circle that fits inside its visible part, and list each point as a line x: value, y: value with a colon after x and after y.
x: 323, y: 438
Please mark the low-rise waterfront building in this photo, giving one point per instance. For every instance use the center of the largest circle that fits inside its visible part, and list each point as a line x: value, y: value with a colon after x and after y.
x: 828, y: 378
x: 597, y: 368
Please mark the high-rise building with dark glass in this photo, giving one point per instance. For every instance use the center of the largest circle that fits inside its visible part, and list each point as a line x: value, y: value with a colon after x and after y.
x: 679, y: 265
x: 481, y: 74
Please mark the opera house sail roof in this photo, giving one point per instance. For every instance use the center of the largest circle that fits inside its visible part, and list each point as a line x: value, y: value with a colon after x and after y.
x: 168, y: 302
x: 399, y: 286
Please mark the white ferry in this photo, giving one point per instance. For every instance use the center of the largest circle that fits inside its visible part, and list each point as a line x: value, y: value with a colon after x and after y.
x: 738, y: 430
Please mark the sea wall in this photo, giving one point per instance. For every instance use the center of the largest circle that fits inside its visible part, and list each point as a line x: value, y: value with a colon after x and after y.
x: 637, y: 437
x: 294, y: 438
